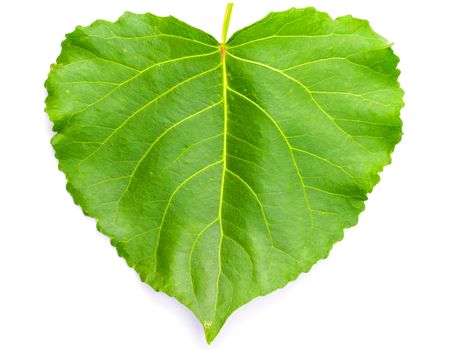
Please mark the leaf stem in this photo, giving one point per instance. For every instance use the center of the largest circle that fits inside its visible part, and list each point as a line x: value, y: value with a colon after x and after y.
x: 226, y: 22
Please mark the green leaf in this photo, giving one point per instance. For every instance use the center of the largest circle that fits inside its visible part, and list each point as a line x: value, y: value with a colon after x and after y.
x: 223, y: 171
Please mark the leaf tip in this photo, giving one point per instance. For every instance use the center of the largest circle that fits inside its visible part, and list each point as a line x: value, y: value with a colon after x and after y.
x: 211, y: 330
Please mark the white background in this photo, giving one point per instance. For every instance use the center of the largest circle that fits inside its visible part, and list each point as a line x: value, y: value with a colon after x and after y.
x: 385, y: 286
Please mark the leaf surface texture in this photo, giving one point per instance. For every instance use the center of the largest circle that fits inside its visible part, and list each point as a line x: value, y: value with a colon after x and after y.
x: 222, y: 172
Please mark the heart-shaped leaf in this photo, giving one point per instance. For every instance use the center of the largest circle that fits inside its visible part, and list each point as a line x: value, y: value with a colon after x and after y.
x: 223, y: 171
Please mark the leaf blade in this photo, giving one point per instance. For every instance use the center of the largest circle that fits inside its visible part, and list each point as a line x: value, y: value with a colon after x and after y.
x: 223, y: 171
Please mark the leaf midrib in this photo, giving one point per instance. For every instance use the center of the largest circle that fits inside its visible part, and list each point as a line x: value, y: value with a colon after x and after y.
x: 224, y: 169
